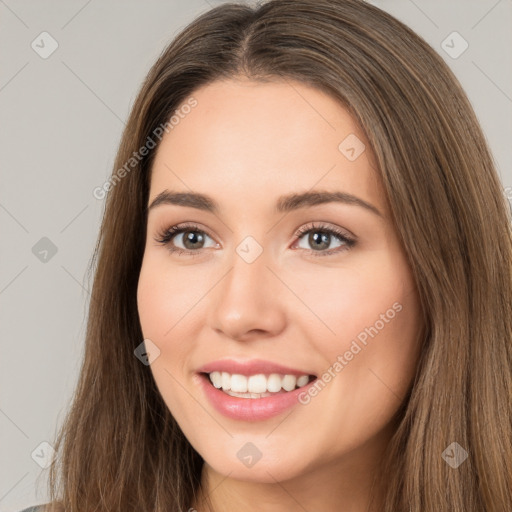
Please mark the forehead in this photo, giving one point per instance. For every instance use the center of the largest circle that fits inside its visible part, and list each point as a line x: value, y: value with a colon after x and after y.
x: 249, y: 142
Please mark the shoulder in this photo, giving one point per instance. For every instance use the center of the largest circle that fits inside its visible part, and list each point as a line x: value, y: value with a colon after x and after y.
x: 36, y: 508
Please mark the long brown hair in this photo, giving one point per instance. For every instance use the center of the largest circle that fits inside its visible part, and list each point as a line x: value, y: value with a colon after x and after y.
x: 120, y: 449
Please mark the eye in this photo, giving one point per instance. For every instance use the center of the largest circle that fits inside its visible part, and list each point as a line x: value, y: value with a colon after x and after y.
x: 190, y: 235
x: 321, y: 236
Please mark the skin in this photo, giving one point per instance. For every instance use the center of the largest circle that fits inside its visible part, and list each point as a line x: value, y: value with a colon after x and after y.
x: 245, y: 144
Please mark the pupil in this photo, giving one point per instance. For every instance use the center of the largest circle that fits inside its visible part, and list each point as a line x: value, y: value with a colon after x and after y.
x: 323, y: 239
x: 190, y: 237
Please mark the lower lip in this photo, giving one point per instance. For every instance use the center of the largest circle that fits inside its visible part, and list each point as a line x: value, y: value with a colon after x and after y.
x: 250, y: 409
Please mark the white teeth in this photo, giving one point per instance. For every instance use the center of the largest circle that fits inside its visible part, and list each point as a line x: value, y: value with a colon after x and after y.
x: 216, y: 379
x: 302, y: 380
x: 256, y: 385
x: 248, y: 395
x: 289, y: 382
x: 226, y: 381
x: 239, y: 383
x: 274, y: 382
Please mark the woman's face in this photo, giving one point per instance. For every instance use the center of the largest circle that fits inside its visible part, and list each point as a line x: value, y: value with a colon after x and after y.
x: 275, y: 283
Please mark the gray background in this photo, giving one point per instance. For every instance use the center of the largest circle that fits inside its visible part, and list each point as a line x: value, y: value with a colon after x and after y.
x: 62, y: 118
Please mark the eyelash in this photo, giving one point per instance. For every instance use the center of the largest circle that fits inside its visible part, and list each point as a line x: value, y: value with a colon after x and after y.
x: 164, y: 238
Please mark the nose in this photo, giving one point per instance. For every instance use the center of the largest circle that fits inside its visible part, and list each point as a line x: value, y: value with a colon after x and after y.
x: 249, y: 301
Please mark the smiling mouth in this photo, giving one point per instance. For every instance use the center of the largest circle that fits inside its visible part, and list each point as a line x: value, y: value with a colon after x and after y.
x: 258, y: 385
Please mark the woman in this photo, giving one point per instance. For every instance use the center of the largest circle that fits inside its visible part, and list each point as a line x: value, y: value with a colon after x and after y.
x: 302, y: 296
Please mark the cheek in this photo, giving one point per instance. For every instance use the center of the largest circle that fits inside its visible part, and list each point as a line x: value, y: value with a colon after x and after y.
x: 378, y: 335
x: 371, y: 358
x: 348, y: 299
x: 167, y: 295
x: 164, y: 302
x: 373, y: 315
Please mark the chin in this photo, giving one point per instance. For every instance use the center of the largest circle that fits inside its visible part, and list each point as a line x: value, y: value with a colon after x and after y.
x: 273, y: 465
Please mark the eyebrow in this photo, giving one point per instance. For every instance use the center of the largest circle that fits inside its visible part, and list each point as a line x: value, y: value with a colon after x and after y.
x: 284, y: 204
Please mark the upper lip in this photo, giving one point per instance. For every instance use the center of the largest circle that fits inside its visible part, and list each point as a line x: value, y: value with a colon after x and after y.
x: 250, y: 367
